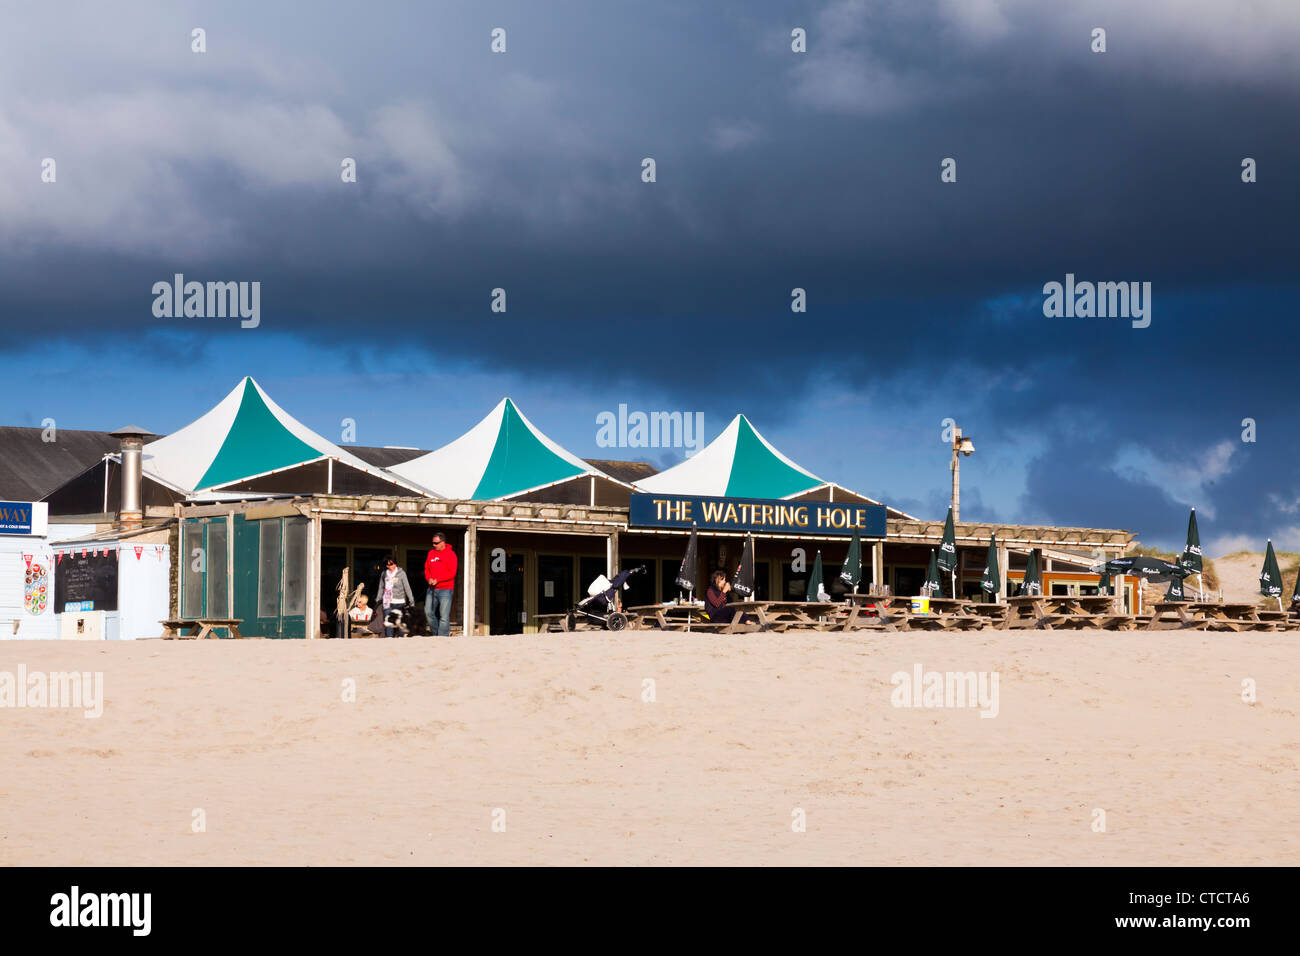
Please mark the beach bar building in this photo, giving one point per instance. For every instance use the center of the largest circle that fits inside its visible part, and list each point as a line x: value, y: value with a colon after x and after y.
x: 264, y: 515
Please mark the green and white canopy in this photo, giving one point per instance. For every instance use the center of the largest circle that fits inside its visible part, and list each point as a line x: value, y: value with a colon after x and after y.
x: 503, y: 456
x: 741, y: 463
x: 248, y: 436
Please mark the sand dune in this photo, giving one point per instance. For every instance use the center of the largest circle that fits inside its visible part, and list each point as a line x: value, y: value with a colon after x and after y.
x: 553, y: 730
x: 1239, y: 576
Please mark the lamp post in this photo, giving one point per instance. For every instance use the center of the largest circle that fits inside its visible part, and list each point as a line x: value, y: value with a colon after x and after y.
x: 960, y: 446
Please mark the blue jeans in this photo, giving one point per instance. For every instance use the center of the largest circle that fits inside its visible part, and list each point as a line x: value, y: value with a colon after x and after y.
x: 439, y: 601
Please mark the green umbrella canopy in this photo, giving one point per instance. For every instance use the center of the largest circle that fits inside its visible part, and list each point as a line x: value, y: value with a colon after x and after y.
x: 1033, y: 581
x: 851, y: 573
x: 1104, y: 585
x: 1191, y: 556
x: 815, y: 580
x: 1175, y: 592
x: 1270, y: 576
x: 1295, y: 592
x: 948, y: 546
x: 991, y: 581
x: 1141, y: 565
x: 931, y: 575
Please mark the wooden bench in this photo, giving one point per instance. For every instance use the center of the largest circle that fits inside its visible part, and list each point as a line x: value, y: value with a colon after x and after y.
x: 552, y: 623
x: 200, y: 628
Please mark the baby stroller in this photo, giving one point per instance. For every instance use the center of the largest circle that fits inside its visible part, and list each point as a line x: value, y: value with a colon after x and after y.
x: 599, y: 607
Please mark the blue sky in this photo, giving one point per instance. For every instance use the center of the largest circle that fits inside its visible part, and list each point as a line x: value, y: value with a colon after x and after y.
x: 775, y: 170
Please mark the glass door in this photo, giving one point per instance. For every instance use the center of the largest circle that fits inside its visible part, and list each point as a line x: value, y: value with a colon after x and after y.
x: 505, y: 593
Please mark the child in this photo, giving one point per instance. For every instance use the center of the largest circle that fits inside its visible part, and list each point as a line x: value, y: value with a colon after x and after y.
x: 362, y: 612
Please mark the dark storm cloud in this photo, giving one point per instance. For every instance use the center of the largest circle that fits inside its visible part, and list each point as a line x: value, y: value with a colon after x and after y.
x: 775, y: 170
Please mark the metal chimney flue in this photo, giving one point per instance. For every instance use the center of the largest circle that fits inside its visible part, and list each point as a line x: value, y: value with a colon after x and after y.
x: 131, y: 514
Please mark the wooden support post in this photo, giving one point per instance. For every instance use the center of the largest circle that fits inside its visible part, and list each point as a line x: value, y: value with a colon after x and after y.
x: 313, y: 576
x: 1003, y: 556
x: 877, y: 564
x: 611, y: 554
x: 469, y: 597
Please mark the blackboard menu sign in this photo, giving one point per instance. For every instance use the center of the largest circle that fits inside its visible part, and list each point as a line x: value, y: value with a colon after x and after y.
x: 89, y: 582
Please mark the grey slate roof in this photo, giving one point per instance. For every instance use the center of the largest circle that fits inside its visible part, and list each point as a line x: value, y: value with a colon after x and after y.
x: 30, y: 467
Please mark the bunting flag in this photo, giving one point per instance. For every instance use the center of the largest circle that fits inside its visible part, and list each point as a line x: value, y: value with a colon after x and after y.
x: 502, y: 456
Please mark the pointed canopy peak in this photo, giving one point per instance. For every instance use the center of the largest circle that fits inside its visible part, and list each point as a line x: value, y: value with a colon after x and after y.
x: 503, y: 455
x: 739, y: 463
x: 244, y: 435
x: 258, y: 441
x: 522, y: 458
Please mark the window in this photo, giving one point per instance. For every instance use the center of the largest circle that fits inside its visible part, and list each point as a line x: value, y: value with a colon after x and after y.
x: 295, y: 566
x: 668, y: 568
x: 192, y: 558
x: 218, y: 604
x: 554, y: 583
x: 908, y: 581
x: 589, y: 569
x: 268, y: 568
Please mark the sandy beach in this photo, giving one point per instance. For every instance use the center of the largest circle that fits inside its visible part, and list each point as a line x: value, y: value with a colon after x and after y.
x: 554, y: 731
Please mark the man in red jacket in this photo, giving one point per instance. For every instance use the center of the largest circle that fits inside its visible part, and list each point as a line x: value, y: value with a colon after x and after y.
x: 440, y: 572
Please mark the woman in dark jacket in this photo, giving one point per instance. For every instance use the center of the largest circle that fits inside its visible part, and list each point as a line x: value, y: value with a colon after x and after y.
x: 716, y: 609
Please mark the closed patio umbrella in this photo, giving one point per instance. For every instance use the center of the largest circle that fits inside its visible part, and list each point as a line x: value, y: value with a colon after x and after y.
x: 1033, y: 581
x: 1175, y: 592
x: 948, y: 550
x: 931, y: 576
x: 689, y: 570
x: 991, y: 580
x: 1270, y: 576
x: 815, y: 589
x: 1191, y: 556
x: 851, y: 573
x: 744, y: 583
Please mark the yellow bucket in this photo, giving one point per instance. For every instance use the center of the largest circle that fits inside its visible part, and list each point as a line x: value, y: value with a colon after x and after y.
x: 921, y: 605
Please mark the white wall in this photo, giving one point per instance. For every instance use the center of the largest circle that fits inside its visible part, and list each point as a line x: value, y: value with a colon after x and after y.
x: 13, y: 571
x: 143, y: 586
x: 143, y: 591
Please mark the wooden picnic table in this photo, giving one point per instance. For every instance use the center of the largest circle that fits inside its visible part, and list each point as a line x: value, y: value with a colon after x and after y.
x: 894, y: 612
x: 780, y: 616
x: 1052, y: 611
x: 1211, y: 615
x: 199, y: 628
x: 674, y: 617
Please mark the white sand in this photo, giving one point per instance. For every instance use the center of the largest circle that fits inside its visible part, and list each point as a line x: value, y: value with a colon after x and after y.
x: 1149, y: 727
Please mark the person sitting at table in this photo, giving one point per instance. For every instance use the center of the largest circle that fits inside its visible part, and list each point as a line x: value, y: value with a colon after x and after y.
x: 362, y: 612
x: 716, y: 610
